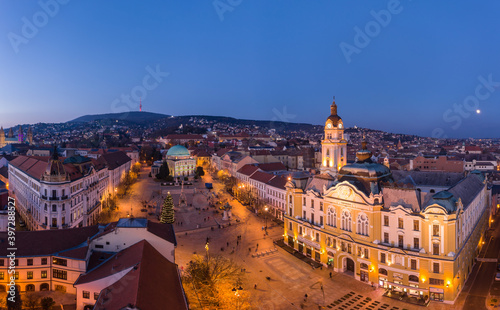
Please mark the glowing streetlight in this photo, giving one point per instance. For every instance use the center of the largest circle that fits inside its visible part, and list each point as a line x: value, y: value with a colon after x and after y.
x: 265, y: 209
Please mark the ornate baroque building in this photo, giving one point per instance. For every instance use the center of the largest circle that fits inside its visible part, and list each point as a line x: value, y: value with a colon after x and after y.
x: 334, y: 146
x: 52, y: 193
x: 384, y: 231
x: 180, y: 162
x: 10, y: 139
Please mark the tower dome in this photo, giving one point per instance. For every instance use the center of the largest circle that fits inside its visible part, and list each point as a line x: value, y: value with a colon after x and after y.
x: 178, y: 150
x: 55, y: 171
x: 365, y: 174
x: 333, y: 119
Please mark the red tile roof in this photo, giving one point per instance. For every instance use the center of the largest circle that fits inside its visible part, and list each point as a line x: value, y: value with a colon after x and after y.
x: 164, y: 231
x: 202, y: 153
x: 472, y: 148
x: 49, y: 242
x: 221, y: 152
x: 248, y: 170
x: 114, y: 160
x: 262, y: 177
x: 278, y: 182
x: 278, y: 166
x: 144, y: 285
x: 35, y: 166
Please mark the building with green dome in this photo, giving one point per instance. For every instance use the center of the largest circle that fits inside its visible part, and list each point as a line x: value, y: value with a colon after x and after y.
x: 180, y: 162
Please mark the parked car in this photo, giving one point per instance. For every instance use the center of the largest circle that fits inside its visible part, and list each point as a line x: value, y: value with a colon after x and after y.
x: 497, y: 276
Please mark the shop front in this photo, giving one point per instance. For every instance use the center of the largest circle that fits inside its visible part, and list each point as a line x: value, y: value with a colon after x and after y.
x: 317, y: 256
x: 412, y: 289
x: 290, y: 242
x: 363, y: 272
x: 329, y: 261
x: 436, y: 294
x: 382, y: 282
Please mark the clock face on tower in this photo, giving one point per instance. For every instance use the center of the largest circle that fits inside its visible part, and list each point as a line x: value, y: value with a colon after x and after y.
x: 340, y: 125
x: 328, y: 125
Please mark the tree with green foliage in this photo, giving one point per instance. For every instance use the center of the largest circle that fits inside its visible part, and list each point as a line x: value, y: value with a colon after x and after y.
x: 47, y: 303
x: 164, y: 172
x: 167, y: 211
x: 199, y: 171
x: 14, y: 302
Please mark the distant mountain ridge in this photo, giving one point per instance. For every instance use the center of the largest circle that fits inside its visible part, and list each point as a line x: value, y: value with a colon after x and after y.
x: 131, y: 116
x: 148, y: 117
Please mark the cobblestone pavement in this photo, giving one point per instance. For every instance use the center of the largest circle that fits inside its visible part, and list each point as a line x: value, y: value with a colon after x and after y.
x: 290, y: 278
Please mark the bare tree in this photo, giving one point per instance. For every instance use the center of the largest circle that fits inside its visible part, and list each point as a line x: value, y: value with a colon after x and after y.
x: 32, y: 301
x: 215, y: 282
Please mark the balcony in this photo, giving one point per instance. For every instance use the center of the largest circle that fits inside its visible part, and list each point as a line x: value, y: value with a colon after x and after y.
x: 44, y: 197
x: 53, y: 198
x: 64, y: 197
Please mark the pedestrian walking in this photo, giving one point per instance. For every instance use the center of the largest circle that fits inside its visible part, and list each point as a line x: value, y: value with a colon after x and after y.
x: 255, y: 286
x: 227, y: 243
x: 330, y: 274
x: 305, y: 297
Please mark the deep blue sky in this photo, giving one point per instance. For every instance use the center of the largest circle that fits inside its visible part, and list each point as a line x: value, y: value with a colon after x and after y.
x: 264, y: 56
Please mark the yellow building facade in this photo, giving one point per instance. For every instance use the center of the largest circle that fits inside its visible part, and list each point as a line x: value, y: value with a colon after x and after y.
x: 386, y: 232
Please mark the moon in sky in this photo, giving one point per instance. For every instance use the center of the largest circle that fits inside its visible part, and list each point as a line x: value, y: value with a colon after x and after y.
x: 478, y: 111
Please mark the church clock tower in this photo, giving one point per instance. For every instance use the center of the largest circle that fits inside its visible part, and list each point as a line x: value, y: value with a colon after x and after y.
x: 333, y: 146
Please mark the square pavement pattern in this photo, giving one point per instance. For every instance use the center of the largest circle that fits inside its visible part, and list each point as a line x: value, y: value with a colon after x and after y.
x: 352, y: 301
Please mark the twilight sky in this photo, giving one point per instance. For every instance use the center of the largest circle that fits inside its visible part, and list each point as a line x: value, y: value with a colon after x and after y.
x: 418, y: 67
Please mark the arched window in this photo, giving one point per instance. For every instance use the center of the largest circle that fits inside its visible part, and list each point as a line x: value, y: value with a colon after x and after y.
x: 363, y: 266
x: 331, y: 219
x: 362, y: 224
x: 30, y: 288
x: 2, y: 288
x: 413, y: 278
x: 44, y: 287
x: 382, y: 271
x: 346, y: 220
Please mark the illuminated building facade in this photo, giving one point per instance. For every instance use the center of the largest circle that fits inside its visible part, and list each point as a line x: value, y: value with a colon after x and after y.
x: 387, y: 232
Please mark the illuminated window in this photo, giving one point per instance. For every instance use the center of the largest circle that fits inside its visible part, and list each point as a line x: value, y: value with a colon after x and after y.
x: 362, y: 225
x: 332, y: 217
x: 413, y: 265
x: 435, y: 230
x: 346, y: 220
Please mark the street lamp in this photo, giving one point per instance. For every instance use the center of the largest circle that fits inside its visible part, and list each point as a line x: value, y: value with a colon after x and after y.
x: 265, y: 209
x: 236, y: 292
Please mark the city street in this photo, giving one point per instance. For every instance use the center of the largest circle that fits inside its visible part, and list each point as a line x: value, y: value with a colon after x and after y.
x: 481, y: 283
x: 290, y: 278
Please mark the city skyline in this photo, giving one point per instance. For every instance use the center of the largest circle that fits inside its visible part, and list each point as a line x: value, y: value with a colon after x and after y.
x: 389, y: 68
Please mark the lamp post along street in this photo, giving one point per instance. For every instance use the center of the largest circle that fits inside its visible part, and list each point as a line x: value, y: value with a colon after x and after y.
x: 266, y: 218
